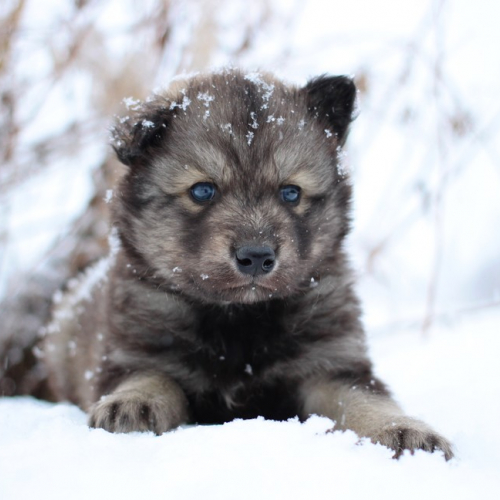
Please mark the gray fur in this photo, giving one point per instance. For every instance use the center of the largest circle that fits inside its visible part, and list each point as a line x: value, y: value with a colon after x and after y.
x: 171, y: 331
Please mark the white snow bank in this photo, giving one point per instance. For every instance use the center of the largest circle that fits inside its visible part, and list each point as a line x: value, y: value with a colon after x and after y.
x: 451, y: 380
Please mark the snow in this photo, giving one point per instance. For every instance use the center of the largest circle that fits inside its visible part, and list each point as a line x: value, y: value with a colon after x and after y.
x: 109, y: 195
x: 131, y: 103
x: 183, y: 105
x: 266, y: 89
x: 32, y: 227
x: 206, y: 98
x: 254, y: 123
x: 448, y: 379
x: 249, y: 137
x: 227, y: 128
x: 81, y: 287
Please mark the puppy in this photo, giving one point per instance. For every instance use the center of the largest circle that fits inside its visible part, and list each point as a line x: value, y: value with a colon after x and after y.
x: 227, y: 293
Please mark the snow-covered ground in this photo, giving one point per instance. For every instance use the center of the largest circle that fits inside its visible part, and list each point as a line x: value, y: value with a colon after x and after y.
x: 450, y: 380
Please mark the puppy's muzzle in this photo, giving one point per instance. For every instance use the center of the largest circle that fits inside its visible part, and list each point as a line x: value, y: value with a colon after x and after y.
x: 255, y: 260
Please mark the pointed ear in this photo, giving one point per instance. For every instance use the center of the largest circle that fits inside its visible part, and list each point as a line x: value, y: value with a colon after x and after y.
x: 137, y: 138
x: 332, y: 98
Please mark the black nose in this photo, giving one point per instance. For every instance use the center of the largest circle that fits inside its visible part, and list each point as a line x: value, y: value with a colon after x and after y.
x: 255, y: 260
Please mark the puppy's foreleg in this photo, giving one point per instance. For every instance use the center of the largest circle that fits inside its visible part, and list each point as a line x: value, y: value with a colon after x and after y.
x: 142, y: 402
x: 370, y: 414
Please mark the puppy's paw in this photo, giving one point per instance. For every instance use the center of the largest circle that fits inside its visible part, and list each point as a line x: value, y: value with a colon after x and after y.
x: 410, y: 434
x: 131, y: 412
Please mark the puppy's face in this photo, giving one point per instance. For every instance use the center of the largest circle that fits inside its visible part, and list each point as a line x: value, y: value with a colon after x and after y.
x: 233, y: 192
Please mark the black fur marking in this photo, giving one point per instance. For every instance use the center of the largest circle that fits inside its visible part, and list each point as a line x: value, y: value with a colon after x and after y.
x: 304, y: 237
x: 124, y: 420
x: 196, y: 230
x: 113, y: 412
x: 332, y: 97
x: 236, y: 343
x: 433, y: 443
x: 402, y: 438
x: 276, y: 401
x: 134, y: 196
x: 136, y: 142
x: 244, y: 334
x: 145, y: 414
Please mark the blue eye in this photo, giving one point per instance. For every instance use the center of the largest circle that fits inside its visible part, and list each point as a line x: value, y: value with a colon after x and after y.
x: 290, y: 194
x: 203, y: 191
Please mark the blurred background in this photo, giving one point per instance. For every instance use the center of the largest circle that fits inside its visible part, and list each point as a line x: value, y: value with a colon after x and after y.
x: 424, y: 151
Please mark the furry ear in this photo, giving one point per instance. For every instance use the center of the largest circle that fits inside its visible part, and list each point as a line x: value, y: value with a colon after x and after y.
x: 332, y: 98
x: 135, y: 138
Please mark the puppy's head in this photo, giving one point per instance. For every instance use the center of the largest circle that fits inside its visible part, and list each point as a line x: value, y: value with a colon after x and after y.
x: 233, y: 192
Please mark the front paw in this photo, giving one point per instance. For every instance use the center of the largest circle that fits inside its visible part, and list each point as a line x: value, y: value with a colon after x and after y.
x: 132, y: 412
x: 410, y: 434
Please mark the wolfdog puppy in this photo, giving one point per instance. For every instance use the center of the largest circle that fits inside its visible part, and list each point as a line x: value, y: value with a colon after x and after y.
x: 228, y: 294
